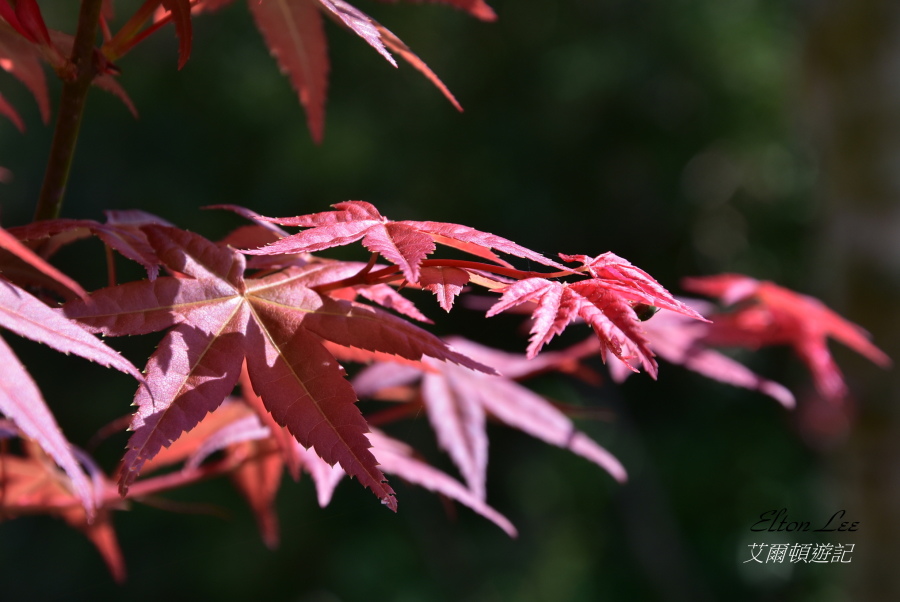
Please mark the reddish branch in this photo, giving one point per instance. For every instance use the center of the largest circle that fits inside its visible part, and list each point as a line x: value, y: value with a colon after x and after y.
x: 71, y: 109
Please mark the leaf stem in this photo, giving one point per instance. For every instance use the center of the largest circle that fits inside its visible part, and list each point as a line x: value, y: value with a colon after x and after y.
x: 71, y: 110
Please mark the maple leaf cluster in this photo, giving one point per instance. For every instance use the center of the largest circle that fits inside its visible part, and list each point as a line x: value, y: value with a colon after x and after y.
x: 266, y: 347
x: 292, y: 29
x: 249, y: 378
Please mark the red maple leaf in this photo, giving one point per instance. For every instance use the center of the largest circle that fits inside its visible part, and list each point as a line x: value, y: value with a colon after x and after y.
x: 606, y: 302
x: 180, y: 10
x: 294, y: 33
x: 681, y: 340
x: 403, y: 243
x: 767, y: 314
x: 445, y: 282
x: 277, y: 323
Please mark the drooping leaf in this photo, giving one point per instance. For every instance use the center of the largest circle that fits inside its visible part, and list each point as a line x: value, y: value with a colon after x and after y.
x: 522, y: 409
x: 767, y: 314
x: 274, y: 322
x: 10, y: 113
x: 457, y: 401
x: 21, y: 401
x: 516, y: 366
x: 395, y: 44
x: 181, y: 17
x: 12, y: 244
x: 325, y: 476
x: 445, y: 282
x: 477, y: 8
x: 398, y: 459
x: 258, y: 478
x: 21, y: 59
x: 296, y: 38
x: 195, y: 446
x: 25, y: 315
x: 458, y: 420
x: 31, y: 483
x: 681, y: 340
x: 359, y: 23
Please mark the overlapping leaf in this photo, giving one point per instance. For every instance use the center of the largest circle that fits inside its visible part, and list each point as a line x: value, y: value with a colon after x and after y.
x: 20, y: 399
x: 277, y: 323
x: 21, y: 56
x: 458, y: 401
x: 122, y: 232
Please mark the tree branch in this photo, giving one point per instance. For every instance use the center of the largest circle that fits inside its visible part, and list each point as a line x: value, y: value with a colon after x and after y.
x: 71, y: 109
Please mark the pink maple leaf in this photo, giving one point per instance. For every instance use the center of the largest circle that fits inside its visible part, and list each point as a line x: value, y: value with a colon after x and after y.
x: 20, y: 399
x: 458, y: 401
x: 477, y: 8
x: 599, y: 302
x: 681, y: 340
x: 767, y: 314
x: 30, y: 483
x: 403, y: 243
x: 21, y: 59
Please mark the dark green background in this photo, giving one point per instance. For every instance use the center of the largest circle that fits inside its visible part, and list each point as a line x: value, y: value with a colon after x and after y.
x: 689, y: 136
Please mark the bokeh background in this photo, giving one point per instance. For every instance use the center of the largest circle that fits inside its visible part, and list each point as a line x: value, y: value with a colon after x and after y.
x: 689, y: 136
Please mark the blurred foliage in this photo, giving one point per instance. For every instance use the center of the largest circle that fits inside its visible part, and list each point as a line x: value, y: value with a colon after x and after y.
x: 665, y: 131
